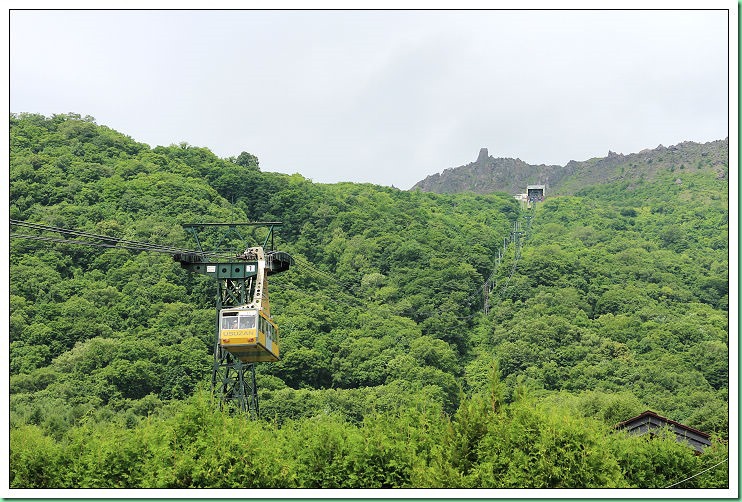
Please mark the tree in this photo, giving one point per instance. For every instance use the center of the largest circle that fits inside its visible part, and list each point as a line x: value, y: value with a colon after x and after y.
x: 248, y: 160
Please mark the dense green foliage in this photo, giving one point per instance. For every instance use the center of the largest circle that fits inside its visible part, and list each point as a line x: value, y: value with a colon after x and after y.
x: 521, y: 445
x: 619, y: 303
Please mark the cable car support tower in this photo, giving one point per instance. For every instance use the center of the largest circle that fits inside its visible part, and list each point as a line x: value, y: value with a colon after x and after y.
x: 242, y: 286
x: 517, y: 237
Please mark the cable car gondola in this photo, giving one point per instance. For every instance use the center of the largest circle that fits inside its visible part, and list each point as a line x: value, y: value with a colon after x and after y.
x: 249, y: 335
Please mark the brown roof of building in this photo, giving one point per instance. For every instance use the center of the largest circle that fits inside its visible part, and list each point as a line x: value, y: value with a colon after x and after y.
x: 650, y: 413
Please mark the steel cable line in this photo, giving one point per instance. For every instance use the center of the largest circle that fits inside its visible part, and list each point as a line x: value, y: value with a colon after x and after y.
x: 697, y: 474
x: 516, y: 259
x: 109, y: 245
x: 526, y: 233
x: 343, y: 288
x: 517, y: 255
x: 115, y: 242
x: 480, y: 289
x: 108, y: 241
x: 308, y: 265
x: 114, y: 245
x: 304, y: 264
x: 80, y: 233
x: 73, y: 241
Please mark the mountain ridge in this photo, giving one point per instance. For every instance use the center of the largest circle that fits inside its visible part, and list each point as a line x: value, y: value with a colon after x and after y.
x: 497, y: 174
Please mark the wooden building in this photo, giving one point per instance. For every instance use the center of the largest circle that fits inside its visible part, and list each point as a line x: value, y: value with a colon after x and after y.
x: 650, y: 422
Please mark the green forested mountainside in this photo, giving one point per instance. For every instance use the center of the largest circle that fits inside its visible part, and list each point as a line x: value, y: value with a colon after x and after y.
x: 391, y: 373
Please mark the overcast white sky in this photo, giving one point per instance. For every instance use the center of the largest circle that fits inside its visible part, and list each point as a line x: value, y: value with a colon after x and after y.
x: 386, y: 97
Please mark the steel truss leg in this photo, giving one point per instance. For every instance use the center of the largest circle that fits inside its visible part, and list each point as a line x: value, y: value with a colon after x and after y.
x: 233, y: 383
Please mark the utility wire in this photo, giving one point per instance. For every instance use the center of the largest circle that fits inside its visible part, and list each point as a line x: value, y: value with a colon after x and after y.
x: 697, y: 474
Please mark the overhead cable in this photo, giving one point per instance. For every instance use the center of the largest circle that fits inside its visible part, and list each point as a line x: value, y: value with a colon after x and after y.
x: 697, y: 474
x: 107, y: 241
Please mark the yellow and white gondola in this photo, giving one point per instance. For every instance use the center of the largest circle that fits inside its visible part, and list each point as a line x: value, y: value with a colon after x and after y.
x: 249, y: 335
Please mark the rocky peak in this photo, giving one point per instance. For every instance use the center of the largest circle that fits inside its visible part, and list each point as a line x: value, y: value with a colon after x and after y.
x: 483, y: 156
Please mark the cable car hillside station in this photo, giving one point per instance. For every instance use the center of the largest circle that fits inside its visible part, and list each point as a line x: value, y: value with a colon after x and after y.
x: 535, y: 193
x: 245, y: 332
